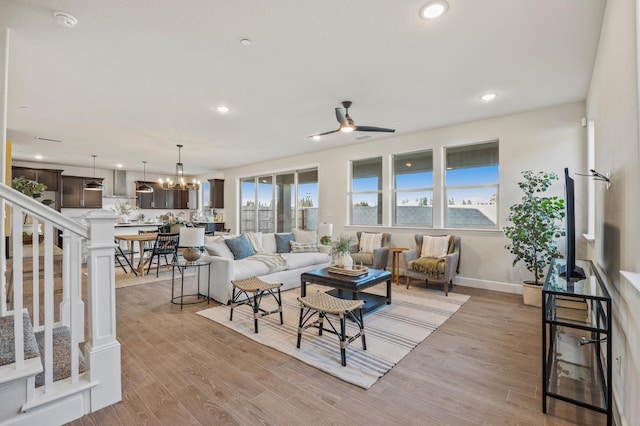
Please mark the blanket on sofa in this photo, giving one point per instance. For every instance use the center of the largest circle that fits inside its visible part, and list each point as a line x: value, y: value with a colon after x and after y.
x: 274, y: 261
x: 429, y: 265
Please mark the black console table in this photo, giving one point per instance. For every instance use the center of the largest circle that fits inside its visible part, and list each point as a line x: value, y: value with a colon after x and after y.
x: 576, y: 340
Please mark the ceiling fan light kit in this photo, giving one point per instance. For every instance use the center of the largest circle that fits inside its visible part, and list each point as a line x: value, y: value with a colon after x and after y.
x: 348, y: 125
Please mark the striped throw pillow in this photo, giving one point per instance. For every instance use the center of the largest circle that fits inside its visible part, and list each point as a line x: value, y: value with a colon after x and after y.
x: 369, y: 242
x: 303, y: 247
x: 435, y: 246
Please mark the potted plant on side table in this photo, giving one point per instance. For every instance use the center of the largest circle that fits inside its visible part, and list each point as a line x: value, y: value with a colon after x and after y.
x: 536, y: 225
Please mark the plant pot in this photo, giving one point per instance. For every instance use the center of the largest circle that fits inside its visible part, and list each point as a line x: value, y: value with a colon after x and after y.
x: 28, y: 238
x: 532, y: 294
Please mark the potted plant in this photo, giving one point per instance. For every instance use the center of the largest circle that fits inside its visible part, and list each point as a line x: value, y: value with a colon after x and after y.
x: 124, y: 210
x: 536, y: 225
x: 34, y: 190
x: 340, y: 250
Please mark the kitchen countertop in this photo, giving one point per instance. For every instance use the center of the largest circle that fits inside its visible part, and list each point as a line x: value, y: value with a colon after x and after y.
x: 131, y: 224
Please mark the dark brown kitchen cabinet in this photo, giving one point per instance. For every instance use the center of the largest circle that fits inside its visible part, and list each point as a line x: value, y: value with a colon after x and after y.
x: 216, y: 193
x: 75, y: 196
x: 172, y: 199
x: 48, y: 177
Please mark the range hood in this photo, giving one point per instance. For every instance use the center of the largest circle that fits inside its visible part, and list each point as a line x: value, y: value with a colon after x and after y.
x: 120, y: 185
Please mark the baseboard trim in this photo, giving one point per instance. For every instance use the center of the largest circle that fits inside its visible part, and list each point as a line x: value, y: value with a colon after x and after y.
x: 488, y: 285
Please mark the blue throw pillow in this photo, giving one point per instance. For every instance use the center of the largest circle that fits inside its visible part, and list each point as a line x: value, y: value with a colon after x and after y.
x: 240, y: 247
x: 282, y: 242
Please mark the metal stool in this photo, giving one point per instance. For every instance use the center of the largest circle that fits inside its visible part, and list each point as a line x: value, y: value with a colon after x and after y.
x: 259, y: 288
x: 323, y: 304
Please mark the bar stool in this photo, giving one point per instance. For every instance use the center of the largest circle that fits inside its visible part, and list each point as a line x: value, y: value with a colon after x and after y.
x: 323, y: 304
x: 258, y: 288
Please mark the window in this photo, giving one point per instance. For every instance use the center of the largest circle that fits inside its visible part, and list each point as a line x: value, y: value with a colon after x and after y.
x: 471, y: 190
x: 413, y: 189
x: 366, y: 192
x: 268, y: 203
x: 206, y: 195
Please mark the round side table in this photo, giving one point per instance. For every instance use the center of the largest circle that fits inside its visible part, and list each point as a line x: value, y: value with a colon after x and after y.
x: 182, y: 266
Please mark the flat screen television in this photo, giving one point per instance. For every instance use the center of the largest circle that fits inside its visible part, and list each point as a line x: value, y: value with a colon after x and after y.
x: 570, y: 271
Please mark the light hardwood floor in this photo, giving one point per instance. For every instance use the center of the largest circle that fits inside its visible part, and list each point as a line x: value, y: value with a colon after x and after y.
x: 482, y: 367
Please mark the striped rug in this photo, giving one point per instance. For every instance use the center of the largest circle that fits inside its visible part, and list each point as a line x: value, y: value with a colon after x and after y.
x: 392, y: 331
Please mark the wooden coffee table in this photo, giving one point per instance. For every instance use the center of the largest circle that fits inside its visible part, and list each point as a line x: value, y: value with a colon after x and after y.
x: 347, y: 287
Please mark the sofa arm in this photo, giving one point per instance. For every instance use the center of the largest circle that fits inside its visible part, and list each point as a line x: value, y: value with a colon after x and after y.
x: 222, y: 272
x: 408, y: 256
x: 354, y: 248
x: 450, y: 266
x: 380, y: 258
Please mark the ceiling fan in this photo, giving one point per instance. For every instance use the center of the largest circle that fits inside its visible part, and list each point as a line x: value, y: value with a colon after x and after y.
x: 347, y: 124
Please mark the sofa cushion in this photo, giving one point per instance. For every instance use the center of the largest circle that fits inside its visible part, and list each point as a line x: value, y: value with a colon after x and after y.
x: 248, y: 267
x: 240, y: 247
x: 269, y: 243
x: 216, y: 246
x: 282, y: 242
x: 301, y: 260
x: 297, y: 247
x: 305, y: 236
x: 255, y: 238
x: 370, y: 241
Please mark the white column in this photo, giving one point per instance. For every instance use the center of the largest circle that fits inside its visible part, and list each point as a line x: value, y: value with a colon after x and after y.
x: 102, y: 349
x: 4, y: 88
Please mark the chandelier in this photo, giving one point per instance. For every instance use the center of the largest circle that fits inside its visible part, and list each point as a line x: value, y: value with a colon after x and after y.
x: 178, y: 181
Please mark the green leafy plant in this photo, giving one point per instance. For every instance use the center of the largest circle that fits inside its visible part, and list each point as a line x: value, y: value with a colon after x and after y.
x: 341, y: 245
x: 536, y: 224
x: 31, y: 188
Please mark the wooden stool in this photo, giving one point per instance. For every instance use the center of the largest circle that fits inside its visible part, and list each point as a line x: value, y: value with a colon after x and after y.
x: 323, y: 304
x: 259, y: 288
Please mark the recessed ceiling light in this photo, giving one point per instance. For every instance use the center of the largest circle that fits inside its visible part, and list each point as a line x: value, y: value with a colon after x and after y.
x: 38, y: 157
x: 66, y: 20
x: 119, y: 165
x: 488, y: 97
x: 434, y: 9
x: 316, y: 137
x: 246, y: 42
x: 223, y: 109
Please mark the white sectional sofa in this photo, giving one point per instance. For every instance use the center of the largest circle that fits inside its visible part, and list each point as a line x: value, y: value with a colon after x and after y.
x: 266, y: 262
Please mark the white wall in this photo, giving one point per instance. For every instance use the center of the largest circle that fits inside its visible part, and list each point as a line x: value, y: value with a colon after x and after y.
x: 547, y: 139
x: 612, y: 103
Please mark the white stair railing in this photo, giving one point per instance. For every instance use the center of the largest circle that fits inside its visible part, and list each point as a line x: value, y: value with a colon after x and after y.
x: 51, y: 266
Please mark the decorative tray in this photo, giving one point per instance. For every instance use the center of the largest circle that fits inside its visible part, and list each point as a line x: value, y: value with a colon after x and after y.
x: 355, y: 271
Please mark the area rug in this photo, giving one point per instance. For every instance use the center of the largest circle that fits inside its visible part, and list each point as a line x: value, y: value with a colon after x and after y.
x: 392, y: 331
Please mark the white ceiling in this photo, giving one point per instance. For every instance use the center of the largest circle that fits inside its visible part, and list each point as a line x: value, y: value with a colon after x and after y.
x: 135, y: 78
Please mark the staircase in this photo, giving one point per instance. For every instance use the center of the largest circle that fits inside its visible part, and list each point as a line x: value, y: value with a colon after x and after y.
x: 59, y: 357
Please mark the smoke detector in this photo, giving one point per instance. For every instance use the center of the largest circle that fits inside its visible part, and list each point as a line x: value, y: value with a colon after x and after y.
x: 66, y: 20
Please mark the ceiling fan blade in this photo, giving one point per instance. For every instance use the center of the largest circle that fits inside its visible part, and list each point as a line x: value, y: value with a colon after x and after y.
x: 373, y: 129
x: 325, y: 133
x: 341, y: 118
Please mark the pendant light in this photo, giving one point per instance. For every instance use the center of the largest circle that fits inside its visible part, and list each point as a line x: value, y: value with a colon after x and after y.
x: 143, y: 188
x: 94, y: 185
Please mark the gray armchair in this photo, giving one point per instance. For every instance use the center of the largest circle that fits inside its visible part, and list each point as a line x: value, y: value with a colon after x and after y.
x: 376, y: 260
x: 446, y: 270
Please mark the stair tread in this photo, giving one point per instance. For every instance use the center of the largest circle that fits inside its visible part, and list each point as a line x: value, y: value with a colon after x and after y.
x: 61, y: 354
x: 7, y: 339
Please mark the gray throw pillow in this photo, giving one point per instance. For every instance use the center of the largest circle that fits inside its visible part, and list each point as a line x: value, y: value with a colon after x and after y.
x: 240, y: 247
x: 282, y: 242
